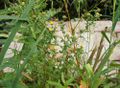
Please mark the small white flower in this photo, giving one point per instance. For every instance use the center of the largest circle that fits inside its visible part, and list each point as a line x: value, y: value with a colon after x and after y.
x: 21, y: 62
x: 8, y: 70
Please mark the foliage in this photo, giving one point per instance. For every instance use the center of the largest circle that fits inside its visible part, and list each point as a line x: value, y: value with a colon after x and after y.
x: 40, y: 64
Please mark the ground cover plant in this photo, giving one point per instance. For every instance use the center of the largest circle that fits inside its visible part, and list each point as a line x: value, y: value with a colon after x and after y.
x: 44, y: 62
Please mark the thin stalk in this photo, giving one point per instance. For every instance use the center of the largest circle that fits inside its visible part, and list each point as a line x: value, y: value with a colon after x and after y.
x: 98, y: 54
x: 66, y: 8
x: 113, y: 18
x: 72, y: 30
x: 88, y: 38
x: 114, y: 7
x: 95, y: 5
x: 52, y: 4
x: 90, y: 59
x: 77, y: 61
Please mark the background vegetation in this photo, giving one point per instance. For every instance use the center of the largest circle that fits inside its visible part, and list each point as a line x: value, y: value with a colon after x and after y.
x: 105, y: 7
x: 37, y: 66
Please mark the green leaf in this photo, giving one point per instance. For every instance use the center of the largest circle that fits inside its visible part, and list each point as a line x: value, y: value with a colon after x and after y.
x: 57, y: 84
x: 89, y: 70
x: 116, y: 17
x: 105, y: 36
x: 6, y: 17
x: 69, y: 81
x: 4, y: 35
x: 114, y: 64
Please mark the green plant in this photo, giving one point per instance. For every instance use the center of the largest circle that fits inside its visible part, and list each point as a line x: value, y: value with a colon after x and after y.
x: 40, y: 64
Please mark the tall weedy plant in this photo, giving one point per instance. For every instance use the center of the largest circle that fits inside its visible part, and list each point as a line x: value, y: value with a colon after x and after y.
x: 40, y: 64
x: 36, y: 38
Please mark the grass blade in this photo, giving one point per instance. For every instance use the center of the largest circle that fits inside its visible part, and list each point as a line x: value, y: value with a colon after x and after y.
x: 100, y: 48
x: 107, y: 55
x: 116, y: 16
x: 102, y: 64
x: 6, y: 17
x: 26, y: 60
x: 92, y: 55
x: 106, y: 37
x: 14, y: 30
x: 8, y: 41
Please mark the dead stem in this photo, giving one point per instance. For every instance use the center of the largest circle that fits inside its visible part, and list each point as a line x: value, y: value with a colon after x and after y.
x: 100, y: 48
x: 72, y: 30
x: 77, y: 61
x: 66, y: 8
x: 27, y: 76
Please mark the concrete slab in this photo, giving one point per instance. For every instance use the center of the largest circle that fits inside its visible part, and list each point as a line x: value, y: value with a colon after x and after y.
x: 86, y: 39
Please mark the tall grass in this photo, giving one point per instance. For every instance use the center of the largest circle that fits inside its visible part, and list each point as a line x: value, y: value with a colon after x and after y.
x: 15, y: 29
x: 39, y: 62
x: 13, y: 32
